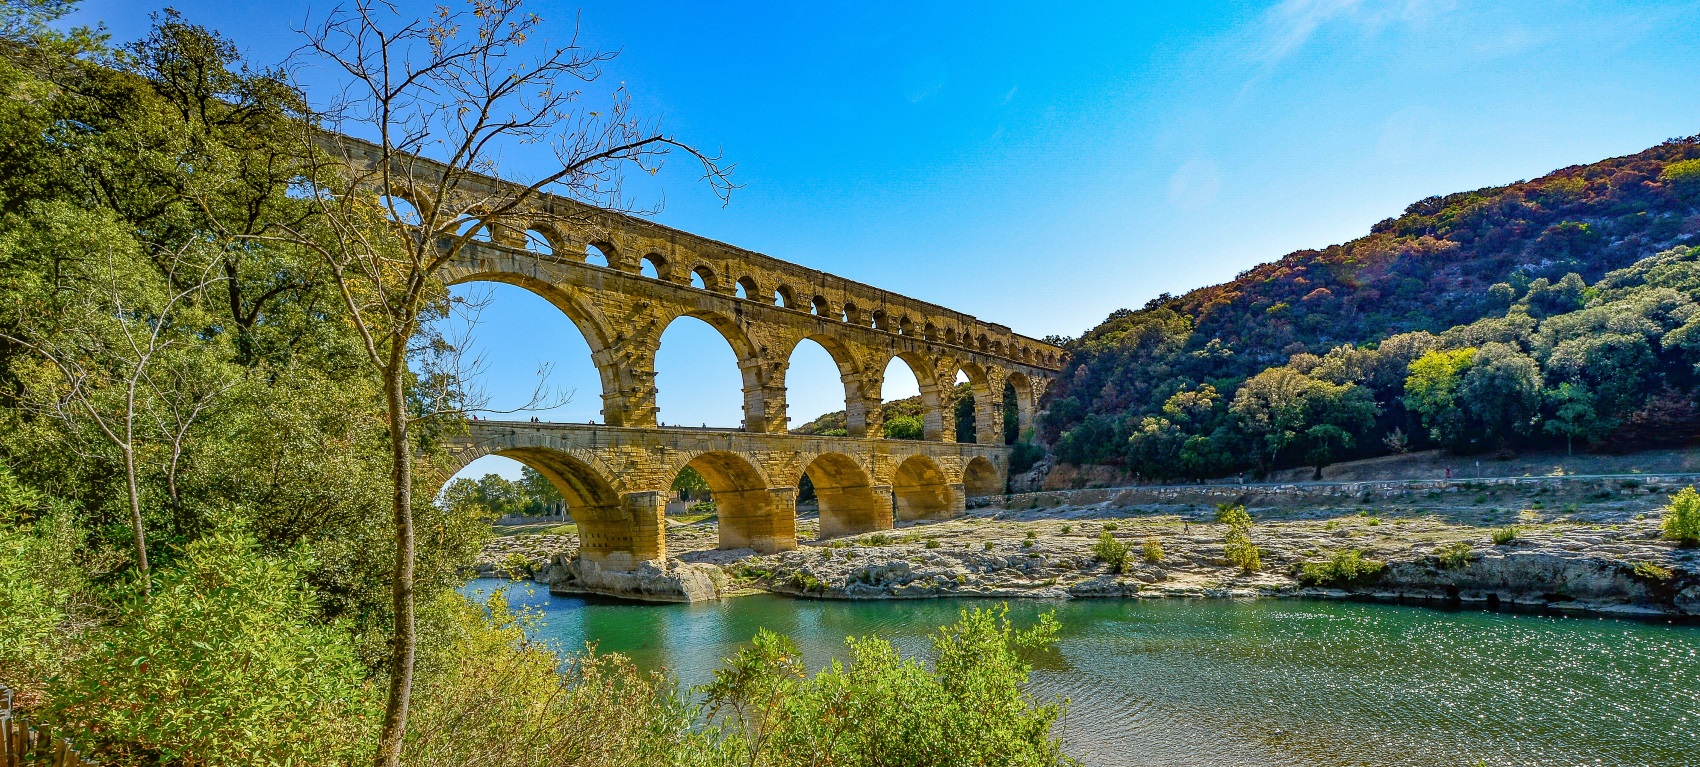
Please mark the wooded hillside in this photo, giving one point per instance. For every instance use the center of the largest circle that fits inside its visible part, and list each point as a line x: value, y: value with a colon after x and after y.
x: 1306, y: 359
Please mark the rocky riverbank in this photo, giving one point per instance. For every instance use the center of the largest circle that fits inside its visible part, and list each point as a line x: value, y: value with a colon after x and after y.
x: 1593, y: 553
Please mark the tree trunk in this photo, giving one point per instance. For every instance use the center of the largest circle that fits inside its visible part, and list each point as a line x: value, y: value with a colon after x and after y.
x: 403, y: 645
x: 136, y: 526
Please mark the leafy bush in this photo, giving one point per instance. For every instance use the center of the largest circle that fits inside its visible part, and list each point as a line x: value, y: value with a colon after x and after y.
x: 226, y: 662
x: 932, y: 543
x: 1152, y: 551
x: 43, y: 591
x: 1682, y: 517
x: 967, y: 707
x: 1238, y: 548
x: 1652, y: 572
x: 905, y: 427
x: 1111, y: 552
x: 1453, y: 556
x: 1110, y: 525
x: 1506, y: 535
x: 1343, y: 567
x: 704, y: 507
x: 487, y: 695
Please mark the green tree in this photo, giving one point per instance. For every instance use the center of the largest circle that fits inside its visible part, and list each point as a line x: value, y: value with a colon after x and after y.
x: 1572, y: 414
x: 905, y: 427
x: 1432, y: 391
x: 1501, y: 393
x: 691, y: 483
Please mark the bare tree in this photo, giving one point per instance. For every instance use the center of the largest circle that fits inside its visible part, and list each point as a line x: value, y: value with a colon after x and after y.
x: 111, y: 374
x: 439, y: 99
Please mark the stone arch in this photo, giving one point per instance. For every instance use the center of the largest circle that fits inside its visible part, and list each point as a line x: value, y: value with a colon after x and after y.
x: 842, y: 356
x: 604, y: 249
x: 820, y: 306
x: 880, y: 320
x: 905, y: 326
x: 785, y: 297
x: 1023, y: 388
x: 848, y: 502
x: 921, y: 489
x: 980, y: 388
x: 543, y: 238
x: 584, y: 316
x: 705, y: 273
x: 980, y: 478
x: 749, y: 362
x: 598, y: 334
x: 747, y: 286
x: 751, y: 514
x: 851, y: 314
x: 657, y: 262
x: 613, y: 532
x: 932, y: 398
x: 930, y: 332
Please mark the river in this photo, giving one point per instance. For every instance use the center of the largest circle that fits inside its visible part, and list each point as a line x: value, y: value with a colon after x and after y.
x: 1269, y: 682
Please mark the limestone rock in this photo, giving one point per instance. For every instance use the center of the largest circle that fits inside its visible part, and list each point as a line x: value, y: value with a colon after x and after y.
x: 672, y: 581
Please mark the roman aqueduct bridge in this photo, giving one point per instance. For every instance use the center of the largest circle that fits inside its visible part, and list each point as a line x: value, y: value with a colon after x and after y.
x: 615, y: 475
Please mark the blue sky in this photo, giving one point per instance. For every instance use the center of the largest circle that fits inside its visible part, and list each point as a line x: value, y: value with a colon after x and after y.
x: 1041, y: 166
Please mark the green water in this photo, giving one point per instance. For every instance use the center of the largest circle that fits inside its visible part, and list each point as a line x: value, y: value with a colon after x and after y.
x: 1212, y: 682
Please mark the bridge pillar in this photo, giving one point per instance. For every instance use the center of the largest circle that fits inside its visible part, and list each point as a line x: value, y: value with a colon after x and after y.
x: 864, y: 416
x: 988, y: 417
x: 619, y: 537
x: 764, y: 519
x: 628, y: 389
x: 764, y: 409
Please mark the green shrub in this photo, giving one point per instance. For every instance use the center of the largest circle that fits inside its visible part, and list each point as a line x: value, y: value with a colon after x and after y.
x: 1345, y: 566
x: 1506, y: 535
x: 932, y: 543
x: 1682, y: 518
x: 704, y: 507
x: 877, y: 539
x: 43, y: 591
x: 1028, y: 543
x: 1152, y: 552
x: 987, y: 546
x: 967, y: 707
x: 1110, y: 525
x: 1066, y: 529
x: 1653, y: 572
x: 1238, y: 549
x: 485, y: 694
x: 227, y: 662
x: 805, y: 582
x: 1454, y: 556
x: 1111, y: 552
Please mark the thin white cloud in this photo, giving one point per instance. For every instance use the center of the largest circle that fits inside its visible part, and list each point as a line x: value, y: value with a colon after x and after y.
x: 1291, y: 24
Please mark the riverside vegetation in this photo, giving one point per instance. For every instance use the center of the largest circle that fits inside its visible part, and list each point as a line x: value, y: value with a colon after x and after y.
x: 200, y: 446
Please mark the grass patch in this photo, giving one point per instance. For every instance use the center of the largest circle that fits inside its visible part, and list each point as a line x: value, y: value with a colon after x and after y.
x: 1454, y: 556
x: 1345, y: 566
x: 1507, y: 535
